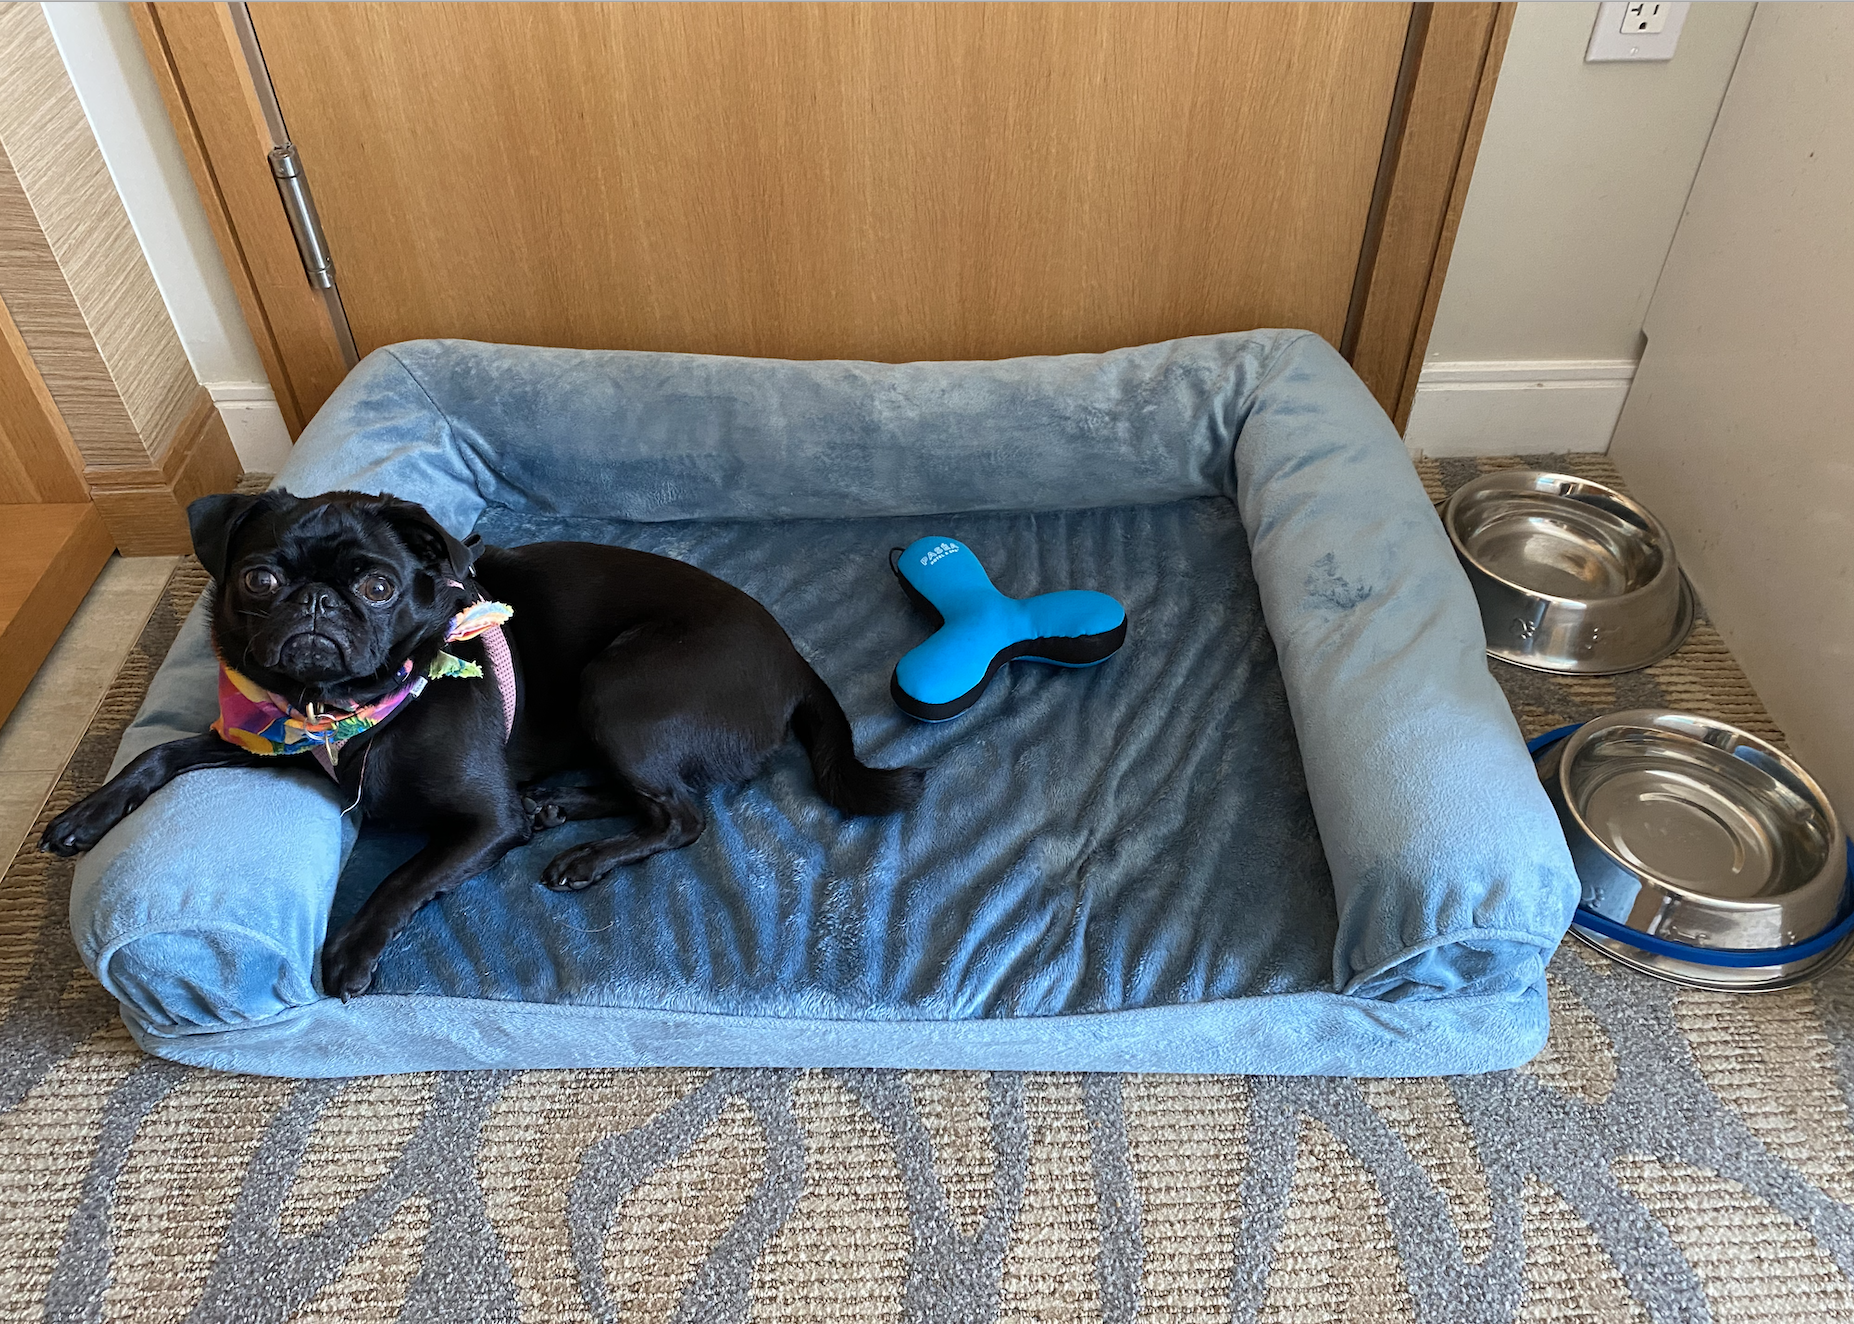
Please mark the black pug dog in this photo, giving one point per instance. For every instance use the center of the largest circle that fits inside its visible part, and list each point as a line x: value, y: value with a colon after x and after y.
x: 661, y: 675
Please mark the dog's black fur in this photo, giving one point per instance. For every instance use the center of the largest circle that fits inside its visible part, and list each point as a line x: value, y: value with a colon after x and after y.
x: 663, y: 676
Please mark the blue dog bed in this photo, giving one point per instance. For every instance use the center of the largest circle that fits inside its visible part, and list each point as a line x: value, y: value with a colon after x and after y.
x: 1290, y: 827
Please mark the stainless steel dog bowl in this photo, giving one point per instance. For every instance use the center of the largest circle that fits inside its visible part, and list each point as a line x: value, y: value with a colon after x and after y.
x: 1706, y: 855
x: 1572, y: 576
x: 1725, y: 978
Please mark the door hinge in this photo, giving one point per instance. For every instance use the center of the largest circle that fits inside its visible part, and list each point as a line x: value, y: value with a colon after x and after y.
x: 286, y: 166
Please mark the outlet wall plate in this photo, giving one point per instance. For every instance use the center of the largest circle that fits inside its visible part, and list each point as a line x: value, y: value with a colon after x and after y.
x: 1612, y: 40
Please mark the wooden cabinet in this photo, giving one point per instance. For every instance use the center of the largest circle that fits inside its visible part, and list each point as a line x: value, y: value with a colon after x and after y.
x: 54, y: 541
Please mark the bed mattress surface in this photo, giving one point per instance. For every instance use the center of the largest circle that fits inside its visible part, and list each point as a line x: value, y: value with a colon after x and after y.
x: 1135, y: 834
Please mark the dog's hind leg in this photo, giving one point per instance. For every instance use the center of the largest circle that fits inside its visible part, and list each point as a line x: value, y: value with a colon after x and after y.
x: 550, y: 806
x: 672, y: 820
x: 669, y: 711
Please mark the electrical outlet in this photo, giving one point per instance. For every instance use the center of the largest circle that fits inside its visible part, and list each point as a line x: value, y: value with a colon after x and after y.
x: 1635, y: 32
x: 1643, y: 18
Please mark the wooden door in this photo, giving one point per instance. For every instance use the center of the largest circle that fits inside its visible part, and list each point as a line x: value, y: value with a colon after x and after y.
x: 895, y: 182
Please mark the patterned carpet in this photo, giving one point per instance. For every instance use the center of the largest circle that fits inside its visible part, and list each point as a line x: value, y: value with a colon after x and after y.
x: 1672, y: 1156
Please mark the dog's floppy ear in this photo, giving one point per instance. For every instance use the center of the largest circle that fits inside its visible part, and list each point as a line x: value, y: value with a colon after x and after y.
x: 215, y: 520
x: 431, y: 540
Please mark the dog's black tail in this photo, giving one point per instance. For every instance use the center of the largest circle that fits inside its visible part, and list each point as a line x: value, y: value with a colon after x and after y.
x: 850, y: 785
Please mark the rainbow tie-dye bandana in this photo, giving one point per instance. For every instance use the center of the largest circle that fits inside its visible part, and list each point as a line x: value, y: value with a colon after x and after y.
x: 253, y: 718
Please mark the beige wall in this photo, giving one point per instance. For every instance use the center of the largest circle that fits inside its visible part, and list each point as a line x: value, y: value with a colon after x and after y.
x: 78, y: 289
x: 1578, y: 188
x: 74, y: 278
x: 103, y: 57
x: 1739, y: 431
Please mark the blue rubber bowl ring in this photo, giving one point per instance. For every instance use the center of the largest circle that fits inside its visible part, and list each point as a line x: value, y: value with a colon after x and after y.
x: 1738, y: 958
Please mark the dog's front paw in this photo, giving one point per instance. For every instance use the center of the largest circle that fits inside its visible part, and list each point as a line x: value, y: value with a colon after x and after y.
x: 542, y: 814
x: 347, y: 966
x: 81, y: 826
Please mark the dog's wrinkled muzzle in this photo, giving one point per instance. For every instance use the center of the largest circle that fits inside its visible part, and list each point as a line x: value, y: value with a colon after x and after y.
x: 312, y: 655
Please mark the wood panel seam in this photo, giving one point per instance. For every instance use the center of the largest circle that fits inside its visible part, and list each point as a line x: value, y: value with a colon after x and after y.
x: 207, y: 88
x: 40, y: 460
x: 1394, y: 132
x: 1452, y: 85
x: 218, y: 212
x: 1459, y: 182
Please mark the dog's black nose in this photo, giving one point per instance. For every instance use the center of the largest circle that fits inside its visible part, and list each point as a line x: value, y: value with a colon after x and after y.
x: 316, y: 598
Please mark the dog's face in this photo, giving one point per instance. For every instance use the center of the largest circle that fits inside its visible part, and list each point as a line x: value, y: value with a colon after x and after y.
x: 322, y: 599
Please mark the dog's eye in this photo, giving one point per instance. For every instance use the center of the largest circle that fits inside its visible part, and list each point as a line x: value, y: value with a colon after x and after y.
x: 377, y: 588
x: 261, y: 582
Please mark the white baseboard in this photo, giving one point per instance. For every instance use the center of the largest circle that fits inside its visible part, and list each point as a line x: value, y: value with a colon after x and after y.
x: 255, y: 423
x: 1505, y: 407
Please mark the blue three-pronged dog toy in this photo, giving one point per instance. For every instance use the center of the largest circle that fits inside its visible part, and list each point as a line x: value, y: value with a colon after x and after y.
x: 981, y: 629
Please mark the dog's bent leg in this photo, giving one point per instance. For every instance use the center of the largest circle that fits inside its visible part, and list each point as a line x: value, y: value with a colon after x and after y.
x: 84, y: 824
x: 461, y: 848
x: 672, y: 820
x: 550, y: 806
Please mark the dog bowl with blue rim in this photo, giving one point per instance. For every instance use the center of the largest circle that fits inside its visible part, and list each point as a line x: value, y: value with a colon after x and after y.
x: 1707, y: 856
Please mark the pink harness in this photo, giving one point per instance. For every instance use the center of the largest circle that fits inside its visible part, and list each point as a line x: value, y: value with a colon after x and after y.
x: 495, y: 647
x: 502, y: 668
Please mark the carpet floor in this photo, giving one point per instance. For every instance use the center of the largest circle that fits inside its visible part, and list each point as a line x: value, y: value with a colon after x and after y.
x: 1671, y: 1156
